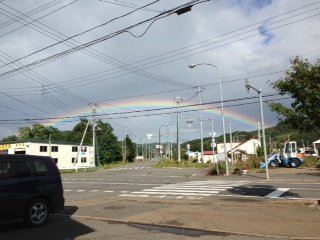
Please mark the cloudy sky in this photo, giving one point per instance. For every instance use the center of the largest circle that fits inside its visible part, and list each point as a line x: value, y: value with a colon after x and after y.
x: 128, y: 60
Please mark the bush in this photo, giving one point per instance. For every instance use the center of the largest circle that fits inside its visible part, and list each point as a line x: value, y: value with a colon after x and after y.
x: 212, y: 170
x: 311, y: 162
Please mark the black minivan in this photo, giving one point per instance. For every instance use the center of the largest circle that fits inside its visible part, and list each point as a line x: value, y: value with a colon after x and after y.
x: 30, y: 189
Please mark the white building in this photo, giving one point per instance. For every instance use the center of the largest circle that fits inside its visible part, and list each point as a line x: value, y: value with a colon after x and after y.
x: 249, y: 147
x: 64, y: 154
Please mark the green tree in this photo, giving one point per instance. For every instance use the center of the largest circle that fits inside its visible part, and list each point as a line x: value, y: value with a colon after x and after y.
x: 302, y: 83
x: 38, y: 132
x: 10, y: 138
x: 108, y: 146
x: 130, y: 151
x: 78, y: 130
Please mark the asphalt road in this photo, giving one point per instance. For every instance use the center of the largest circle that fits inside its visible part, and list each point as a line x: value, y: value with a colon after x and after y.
x: 143, y: 180
x: 99, y: 205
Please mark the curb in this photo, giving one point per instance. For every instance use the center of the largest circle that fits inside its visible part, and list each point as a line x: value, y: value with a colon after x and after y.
x: 216, y: 232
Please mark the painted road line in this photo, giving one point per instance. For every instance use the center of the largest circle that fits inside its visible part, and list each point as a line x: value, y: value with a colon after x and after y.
x: 114, y: 183
x: 277, y: 193
x: 178, y: 191
x: 80, y: 190
x: 175, y: 193
x: 95, y: 190
x: 67, y: 190
x: 108, y: 191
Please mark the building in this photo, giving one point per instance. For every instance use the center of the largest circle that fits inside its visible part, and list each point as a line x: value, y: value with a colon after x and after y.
x: 64, y: 154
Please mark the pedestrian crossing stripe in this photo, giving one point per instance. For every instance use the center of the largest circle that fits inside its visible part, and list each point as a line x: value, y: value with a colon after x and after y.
x: 186, y: 189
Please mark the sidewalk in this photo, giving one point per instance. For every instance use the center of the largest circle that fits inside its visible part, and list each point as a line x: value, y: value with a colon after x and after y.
x: 263, y: 218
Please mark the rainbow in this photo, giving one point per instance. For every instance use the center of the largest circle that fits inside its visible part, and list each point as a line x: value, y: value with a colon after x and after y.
x: 127, y: 106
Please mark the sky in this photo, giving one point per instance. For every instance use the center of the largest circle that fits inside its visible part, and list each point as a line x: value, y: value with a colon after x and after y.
x: 127, y: 62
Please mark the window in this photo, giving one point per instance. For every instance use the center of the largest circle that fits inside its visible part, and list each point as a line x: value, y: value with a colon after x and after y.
x: 55, y: 160
x: 43, y: 148
x: 14, y: 169
x: 73, y: 160
x: 74, y: 149
x: 83, y: 149
x: 83, y: 160
x: 41, y: 168
x: 54, y: 149
x: 5, y: 151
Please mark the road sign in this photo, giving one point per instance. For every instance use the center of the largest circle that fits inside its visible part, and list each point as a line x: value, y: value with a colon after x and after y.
x: 149, y: 135
x: 188, y: 146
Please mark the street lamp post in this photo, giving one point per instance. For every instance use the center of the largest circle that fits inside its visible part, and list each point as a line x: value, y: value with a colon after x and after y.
x: 222, y: 112
x: 160, y: 149
x: 248, y: 86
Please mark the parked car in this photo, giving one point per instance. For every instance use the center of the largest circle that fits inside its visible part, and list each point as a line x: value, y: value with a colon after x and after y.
x: 30, y: 189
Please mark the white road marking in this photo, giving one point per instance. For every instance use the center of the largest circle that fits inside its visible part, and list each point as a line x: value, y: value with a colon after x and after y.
x: 277, y: 193
x: 187, y: 190
x: 81, y: 190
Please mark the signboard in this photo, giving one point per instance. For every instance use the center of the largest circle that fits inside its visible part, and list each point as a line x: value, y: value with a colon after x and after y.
x: 188, y: 146
x: 149, y: 135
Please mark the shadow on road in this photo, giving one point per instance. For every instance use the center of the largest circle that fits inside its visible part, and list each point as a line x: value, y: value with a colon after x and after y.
x: 259, y: 191
x: 58, y: 227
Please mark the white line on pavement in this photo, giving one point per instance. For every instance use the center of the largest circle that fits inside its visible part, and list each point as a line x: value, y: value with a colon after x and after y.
x: 277, y: 193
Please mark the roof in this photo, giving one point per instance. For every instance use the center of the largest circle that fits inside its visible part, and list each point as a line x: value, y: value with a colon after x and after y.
x: 45, y: 142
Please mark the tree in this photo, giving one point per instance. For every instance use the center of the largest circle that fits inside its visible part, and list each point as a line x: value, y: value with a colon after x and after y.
x: 108, y: 146
x: 38, y: 132
x: 302, y: 83
x: 78, y: 130
x: 130, y: 151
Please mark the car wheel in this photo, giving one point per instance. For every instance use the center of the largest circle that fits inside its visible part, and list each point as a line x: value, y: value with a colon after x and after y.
x: 37, y: 213
x: 274, y: 163
x: 294, y: 163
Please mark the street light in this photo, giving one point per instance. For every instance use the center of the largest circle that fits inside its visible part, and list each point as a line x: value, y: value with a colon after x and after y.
x: 160, y: 149
x: 248, y: 86
x: 222, y: 112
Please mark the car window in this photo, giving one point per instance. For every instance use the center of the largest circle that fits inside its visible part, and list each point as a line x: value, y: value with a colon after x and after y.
x: 41, y: 168
x: 14, y: 169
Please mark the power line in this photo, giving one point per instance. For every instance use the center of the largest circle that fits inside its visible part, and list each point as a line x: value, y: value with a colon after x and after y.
x: 94, y: 53
x: 141, y: 65
x: 130, y: 5
x: 144, y: 110
x: 93, y: 42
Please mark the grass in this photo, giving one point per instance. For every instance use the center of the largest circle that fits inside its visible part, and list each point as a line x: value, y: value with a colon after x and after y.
x: 181, y: 164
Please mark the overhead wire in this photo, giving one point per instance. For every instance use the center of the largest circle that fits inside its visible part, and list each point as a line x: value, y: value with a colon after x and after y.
x: 130, y: 5
x: 88, y: 44
x: 151, y: 110
x: 217, y: 37
x: 99, y: 55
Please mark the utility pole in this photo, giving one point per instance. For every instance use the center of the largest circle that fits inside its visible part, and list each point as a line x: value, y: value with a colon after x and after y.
x: 259, y: 135
x: 49, y: 145
x: 231, y: 143
x: 201, y: 124
x: 178, y: 101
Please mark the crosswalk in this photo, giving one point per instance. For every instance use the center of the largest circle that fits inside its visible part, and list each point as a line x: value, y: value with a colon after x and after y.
x: 127, y: 168
x: 186, y: 190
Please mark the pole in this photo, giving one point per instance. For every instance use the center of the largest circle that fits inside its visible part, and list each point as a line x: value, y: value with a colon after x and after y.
x: 231, y: 151
x: 259, y: 135
x: 78, y: 153
x: 213, y: 142
x: 49, y: 145
x: 201, y: 124
x: 263, y: 135
x: 222, y: 112
x: 160, y: 144
x: 178, y: 101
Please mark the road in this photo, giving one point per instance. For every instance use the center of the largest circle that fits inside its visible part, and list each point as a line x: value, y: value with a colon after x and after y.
x: 143, y: 180
x: 143, y: 202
